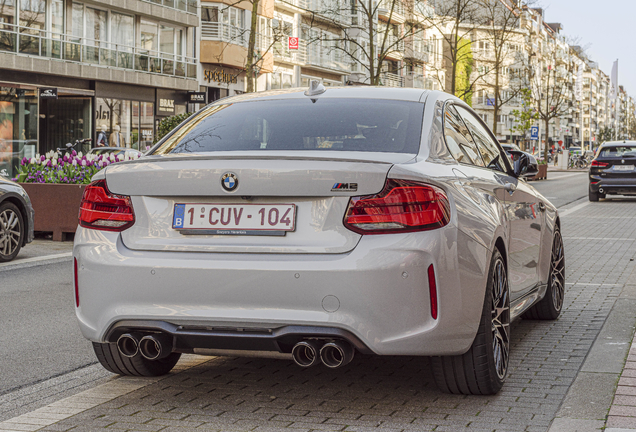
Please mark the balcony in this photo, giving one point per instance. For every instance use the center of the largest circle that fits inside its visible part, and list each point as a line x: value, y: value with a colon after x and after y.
x: 183, y: 5
x: 391, y: 80
x: 415, y: 52
x: 384, y: 10
x: 34, y: 42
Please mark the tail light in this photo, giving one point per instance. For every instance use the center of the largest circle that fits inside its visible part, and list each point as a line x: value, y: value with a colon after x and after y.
x: 598, y: 164
x: 403, y: 206
x: 103, y: 210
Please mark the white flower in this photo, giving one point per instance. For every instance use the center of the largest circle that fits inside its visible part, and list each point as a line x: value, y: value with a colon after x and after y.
x: 112, y: 157
x: 79, y: 155
x: 32, y: 160
x: 54, y: 162
x: 37, y: 155
x: 83, y: 163
x: 67, y: 154
x: 74, y: 163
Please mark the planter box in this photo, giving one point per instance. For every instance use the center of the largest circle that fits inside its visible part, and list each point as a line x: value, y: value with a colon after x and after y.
x: 56, y: 207
x: 542, y: 174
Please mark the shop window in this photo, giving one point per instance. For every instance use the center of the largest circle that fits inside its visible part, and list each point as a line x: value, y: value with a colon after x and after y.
x: 115, y: 114
x: 65, y: 120
x: 18, y: 127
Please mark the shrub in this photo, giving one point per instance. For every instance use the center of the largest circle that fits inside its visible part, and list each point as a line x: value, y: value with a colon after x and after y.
x: 167, y: 124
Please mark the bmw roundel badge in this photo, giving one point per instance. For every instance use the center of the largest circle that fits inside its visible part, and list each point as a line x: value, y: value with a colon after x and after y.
x: 229, y: 181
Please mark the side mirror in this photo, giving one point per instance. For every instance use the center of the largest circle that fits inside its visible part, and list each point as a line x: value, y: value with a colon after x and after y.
x: 524, y: 164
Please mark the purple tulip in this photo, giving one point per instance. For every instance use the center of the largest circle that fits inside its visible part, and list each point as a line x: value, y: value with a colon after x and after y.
x: 24, y: 161
x: 42, y: 158
x: 73, y: 153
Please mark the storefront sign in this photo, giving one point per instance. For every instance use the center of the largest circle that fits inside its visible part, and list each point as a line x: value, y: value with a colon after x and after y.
x: 197, y: 97
x: 220, y: 76
x: 165, y: 106
x: 48, y: 93
x: 293, y: 43
x: 146, y: 134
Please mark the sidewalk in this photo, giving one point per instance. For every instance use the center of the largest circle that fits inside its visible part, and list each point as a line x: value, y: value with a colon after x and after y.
x: 40, y: 251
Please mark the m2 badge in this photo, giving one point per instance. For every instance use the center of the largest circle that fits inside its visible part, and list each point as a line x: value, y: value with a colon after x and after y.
x: 344, y: 187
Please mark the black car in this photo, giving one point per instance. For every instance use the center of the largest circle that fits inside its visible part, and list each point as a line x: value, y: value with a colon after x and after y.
x: 16, y: 219
x: 613, y: 172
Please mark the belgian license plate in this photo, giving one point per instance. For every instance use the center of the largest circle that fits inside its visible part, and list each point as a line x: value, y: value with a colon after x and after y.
x: 623, y: 167
x: 233, y: 219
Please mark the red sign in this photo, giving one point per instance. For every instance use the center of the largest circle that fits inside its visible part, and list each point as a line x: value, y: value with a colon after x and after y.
x: 293, y: 43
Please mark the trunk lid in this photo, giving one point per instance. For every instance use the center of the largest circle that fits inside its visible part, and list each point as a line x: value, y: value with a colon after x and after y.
x: 156, y: 184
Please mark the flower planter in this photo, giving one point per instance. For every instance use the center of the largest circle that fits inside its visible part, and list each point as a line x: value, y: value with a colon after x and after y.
x: 542, y: 174
x: 56, y: 207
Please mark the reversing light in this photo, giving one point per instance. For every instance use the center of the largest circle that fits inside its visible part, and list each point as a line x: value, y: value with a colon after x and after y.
x: 102, y: 210
x: 402, y: 206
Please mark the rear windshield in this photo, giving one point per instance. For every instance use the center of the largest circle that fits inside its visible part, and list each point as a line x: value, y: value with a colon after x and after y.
x: 618, y: 151
x: 365, y: 125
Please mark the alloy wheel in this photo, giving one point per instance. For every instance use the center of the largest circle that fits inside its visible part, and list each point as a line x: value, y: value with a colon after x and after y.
x: 9, y: 232
x: 557, y: 272
x: 500, y: 319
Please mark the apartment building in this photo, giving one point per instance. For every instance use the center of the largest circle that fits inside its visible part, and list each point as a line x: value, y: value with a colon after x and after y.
x: 69, y: 68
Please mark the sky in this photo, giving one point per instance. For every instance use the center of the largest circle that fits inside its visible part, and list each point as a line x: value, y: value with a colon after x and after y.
x: 606, y: 28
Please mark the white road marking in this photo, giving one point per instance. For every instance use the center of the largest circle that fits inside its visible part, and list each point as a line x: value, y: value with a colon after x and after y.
x: 36, y: 259
x: 73, y: 405
x: 574, y: 209
x: 599, y: 238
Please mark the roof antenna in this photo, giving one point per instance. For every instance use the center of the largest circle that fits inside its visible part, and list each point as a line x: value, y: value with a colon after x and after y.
x: 315, y: 88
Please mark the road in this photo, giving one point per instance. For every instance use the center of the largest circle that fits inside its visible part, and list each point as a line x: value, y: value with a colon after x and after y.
x: 553, y: 364
x: 40, y: 338
x: 562, y: 188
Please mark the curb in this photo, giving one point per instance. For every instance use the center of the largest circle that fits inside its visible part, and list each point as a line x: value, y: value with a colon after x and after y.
x: 36, y: 261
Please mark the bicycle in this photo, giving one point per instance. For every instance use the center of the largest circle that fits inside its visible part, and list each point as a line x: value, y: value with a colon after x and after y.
x: 69, y: 146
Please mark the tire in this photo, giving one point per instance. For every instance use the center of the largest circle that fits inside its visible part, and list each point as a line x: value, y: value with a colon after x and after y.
x: 11, y: 231
x: 109, y: 356
x: 482, y: 370
x: 549, y: 308
x: 593, y: 196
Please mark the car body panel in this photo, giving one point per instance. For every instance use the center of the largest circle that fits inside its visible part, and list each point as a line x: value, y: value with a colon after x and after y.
x: 611, y: 178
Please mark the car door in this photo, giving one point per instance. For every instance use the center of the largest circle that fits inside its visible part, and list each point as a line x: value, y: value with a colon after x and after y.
x: 480, y: 191
x: 524, y: 212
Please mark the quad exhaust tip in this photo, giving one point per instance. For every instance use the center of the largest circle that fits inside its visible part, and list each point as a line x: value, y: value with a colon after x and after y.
x: 306, y: 353
x: 155, y: 346
x: 128, y: 344
x: 336, y: 354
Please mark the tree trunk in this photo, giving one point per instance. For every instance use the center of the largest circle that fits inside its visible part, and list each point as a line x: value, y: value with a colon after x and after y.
x: 547, y: 117
x: 454, y: 50
x: 372, y: 72
x: 251, y: 54
x: 496, y: 104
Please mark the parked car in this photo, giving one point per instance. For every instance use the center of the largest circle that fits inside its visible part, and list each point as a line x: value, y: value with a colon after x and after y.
x: 612, y: 170
x: 16, y: 219
x: 316, y: 224
x: 116, y: 150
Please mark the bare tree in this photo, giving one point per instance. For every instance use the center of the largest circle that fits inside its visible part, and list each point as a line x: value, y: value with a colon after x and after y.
x: 370, y: 33
x: 217, y: 26
x: 503, y: 39
x: 551, y: 90
x: 455, y: 20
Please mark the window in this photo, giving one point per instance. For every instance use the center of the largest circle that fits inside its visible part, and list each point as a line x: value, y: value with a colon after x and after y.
x: 459, y: 140
x: 502, y: 118
x: 149, y: 38
x: 330, y: 125
x: 487, y: 146
x: 122, y: 27
x: 484, y: 117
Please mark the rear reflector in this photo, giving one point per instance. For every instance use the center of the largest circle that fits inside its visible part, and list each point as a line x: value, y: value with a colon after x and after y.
x: 402, y: 206
x: 102, y: 210
x: 432, y: 286
x: 76, y: 286
x: 598, y: 164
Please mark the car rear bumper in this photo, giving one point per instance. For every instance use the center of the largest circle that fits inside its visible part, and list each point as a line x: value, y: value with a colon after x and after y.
x: 618, y: 186
x: 378, y: 293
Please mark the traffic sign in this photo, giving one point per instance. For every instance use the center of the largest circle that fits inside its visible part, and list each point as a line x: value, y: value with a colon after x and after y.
x: 534, y: 133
